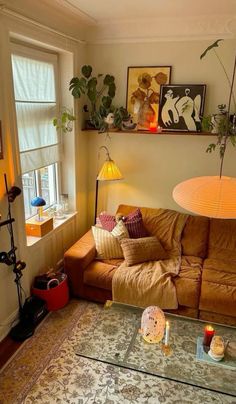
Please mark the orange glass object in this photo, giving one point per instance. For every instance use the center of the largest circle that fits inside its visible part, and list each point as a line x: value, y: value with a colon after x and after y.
x: 153, y: 126
x: 208, y: 335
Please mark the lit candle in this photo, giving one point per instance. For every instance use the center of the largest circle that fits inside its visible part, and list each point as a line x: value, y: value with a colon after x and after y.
x: 167, y: 333
x: 153, y: 126
x: 208, y: 335
x: 159, y: 129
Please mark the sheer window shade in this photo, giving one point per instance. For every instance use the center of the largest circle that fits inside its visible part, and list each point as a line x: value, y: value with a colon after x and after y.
x: 35, y: 98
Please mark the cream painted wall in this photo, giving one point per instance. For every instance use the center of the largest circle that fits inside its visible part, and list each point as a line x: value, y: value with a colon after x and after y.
x: 48, y: 251
x: 152, y: 165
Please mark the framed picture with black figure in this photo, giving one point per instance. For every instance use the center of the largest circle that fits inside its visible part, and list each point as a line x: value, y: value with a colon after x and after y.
x: 181, y: 107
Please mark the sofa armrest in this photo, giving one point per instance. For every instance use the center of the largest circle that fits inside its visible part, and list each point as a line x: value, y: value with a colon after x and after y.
x: 76, y: 260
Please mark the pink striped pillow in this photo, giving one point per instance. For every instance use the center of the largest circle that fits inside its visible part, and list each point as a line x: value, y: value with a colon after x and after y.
x: 133, y: 222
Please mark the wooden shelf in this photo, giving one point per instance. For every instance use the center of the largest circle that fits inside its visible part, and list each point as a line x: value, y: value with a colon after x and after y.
x: 163, y: 133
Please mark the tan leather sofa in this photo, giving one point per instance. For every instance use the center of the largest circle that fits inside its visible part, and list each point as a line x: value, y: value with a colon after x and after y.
x: 205, y: 285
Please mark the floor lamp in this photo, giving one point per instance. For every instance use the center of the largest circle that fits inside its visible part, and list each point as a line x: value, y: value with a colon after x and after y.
x: 108, y: 172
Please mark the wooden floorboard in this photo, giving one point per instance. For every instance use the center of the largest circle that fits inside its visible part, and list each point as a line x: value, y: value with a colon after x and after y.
x: 7, y: 348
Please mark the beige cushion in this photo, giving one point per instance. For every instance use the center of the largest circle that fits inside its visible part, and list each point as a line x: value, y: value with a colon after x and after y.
x: 142, y: 249
x: 108, y: 243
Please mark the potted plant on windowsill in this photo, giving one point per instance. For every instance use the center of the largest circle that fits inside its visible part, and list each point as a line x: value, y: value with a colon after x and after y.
x: 223, y: 123
x: 100, y: 91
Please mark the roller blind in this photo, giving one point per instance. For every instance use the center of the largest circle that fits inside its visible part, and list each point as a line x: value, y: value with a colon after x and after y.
x: 36, y: 105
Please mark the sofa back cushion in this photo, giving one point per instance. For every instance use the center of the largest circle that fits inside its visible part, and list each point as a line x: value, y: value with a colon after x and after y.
x: 222, y: 239
x: 195, y: 236
x: 165, y: 224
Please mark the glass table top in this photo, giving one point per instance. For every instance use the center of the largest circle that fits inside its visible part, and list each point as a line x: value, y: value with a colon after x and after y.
x: 113, y: 337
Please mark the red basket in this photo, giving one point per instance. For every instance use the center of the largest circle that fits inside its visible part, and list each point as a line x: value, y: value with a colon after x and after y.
x: 56, y: 297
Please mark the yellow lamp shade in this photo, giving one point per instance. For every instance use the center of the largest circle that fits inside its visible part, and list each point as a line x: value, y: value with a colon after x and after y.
x: 109, y: 172
x: 210, y: 196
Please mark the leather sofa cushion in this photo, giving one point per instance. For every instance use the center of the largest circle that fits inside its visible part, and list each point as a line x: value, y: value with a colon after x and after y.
x: 195, y: 236
x: 222, y: 239
x: 218, y: 291
x: 99, y: 273
x: 188, y: 281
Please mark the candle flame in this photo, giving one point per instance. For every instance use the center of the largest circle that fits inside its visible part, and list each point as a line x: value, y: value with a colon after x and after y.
x: 167, y: 324
x: 209, y: 328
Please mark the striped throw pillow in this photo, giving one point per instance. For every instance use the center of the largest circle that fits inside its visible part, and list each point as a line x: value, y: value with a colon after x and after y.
x: 142, y: 249
x: 108, y: 243
x: 133, y: 222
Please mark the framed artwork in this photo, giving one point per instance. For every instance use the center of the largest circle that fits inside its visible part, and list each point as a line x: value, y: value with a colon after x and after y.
x: 181, y: 107
x: 1, y: 149
x: 143, y: 93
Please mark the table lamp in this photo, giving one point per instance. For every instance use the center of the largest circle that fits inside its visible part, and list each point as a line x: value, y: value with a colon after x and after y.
x: 108, y: 172
x: 39, y: 203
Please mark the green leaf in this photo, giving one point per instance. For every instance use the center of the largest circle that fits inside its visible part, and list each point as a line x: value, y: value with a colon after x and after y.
x: 86, y: 71
x: 211, y: 147
x: 106, y: 101
x: 112, y: 90
x: 108, y: 80
x: 54, y: 121
x: 233, y: 140
x: 214, y: 45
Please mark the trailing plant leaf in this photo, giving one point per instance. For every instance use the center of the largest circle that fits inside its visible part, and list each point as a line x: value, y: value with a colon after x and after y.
x: 106, y: 101
x: 211, y: 147
x: 65, y: 121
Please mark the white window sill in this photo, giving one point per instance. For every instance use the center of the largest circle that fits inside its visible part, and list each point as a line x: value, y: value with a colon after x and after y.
x: 57, y: 223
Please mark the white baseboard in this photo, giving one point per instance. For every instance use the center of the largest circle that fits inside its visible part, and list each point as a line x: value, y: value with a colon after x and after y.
x: 8, y: 323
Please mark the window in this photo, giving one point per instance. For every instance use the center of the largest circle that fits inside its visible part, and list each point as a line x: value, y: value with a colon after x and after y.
x: 34, y: 77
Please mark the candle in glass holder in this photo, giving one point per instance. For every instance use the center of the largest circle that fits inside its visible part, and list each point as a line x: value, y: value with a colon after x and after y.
x: 167, y: 333
x: 153, y: 126
x: 208, y: 335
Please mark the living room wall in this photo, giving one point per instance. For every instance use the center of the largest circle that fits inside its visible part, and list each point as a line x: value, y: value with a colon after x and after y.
x: 152, y: 165
x: 49, y: 250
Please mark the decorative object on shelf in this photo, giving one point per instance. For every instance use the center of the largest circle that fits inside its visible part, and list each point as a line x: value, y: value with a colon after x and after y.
x: 143, y: 92
x: 209, y: 333
x: 1, y: 147
x: 217, y: 348
x: 181, y: 107
x: 108, y: 172
x: 38, y: 202
x: 152, y: 324
x: 64, y: 121
x: 213, y: 196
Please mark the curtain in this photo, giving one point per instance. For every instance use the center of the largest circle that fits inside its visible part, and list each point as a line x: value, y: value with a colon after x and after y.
x: 35, y: 98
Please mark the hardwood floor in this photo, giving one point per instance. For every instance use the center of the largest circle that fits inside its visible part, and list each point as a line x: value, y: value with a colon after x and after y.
x: 7, y: 348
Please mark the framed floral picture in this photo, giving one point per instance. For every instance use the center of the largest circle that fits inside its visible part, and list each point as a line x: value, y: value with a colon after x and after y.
x: 143, y: 93
x: 181, y: 107
x: 1, y: 149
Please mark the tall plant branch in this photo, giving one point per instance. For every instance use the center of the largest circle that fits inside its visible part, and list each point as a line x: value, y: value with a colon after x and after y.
x: 228, y: 79
x: 224, y: 143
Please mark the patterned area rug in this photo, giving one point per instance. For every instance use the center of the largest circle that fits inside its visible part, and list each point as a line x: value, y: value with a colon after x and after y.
x: 46, y: 370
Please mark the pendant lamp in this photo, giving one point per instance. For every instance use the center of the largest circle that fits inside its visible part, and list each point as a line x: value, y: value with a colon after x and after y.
x: 211, y: 196
x: 108, y: 172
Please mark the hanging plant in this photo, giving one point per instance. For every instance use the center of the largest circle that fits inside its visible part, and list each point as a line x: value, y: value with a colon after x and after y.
x: 64, y: 121
x: 224, y: 121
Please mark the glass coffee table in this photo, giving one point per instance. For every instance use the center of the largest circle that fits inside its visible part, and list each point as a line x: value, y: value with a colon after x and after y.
x: 114, y: 338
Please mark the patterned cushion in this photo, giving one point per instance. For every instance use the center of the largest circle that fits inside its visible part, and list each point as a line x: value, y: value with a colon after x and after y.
x: 133, y: 222
x: 108, y: 243
x: 142, y: 249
